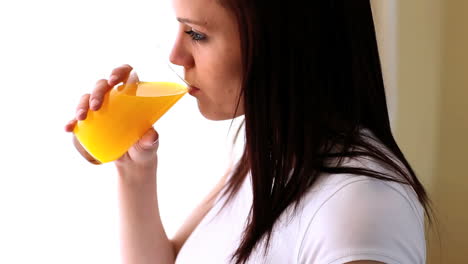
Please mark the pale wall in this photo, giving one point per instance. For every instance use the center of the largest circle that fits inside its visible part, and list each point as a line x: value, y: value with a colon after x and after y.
x: 451, y: 181
x: 432, y: 119
x: 419, y: 82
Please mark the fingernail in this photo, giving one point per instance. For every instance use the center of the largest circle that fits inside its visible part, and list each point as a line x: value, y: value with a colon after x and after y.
x: 79, y: 113
x: 156, y: 141
x: 113, y: 78
x: 94, y: 104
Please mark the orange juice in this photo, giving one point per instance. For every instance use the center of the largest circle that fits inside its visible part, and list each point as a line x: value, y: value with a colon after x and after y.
x: 127, y: 112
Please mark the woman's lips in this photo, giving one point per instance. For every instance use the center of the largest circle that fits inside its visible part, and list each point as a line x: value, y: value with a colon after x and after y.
x: 193, y: 90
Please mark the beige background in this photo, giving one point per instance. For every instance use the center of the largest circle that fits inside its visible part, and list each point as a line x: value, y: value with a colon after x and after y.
x: 426, y: 69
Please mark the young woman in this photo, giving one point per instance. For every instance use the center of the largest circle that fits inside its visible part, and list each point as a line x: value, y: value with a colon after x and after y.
x: 321, y: 179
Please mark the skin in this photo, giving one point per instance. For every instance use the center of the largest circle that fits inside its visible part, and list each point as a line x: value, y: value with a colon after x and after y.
x: 212, y: 63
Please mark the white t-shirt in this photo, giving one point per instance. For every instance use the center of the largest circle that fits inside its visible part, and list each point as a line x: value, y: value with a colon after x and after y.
x: 342, y: 218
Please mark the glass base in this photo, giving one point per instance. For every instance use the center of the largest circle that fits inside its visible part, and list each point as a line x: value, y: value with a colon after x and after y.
x: 84, y: 153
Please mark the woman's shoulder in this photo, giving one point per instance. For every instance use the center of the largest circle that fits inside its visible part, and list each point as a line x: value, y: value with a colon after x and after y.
x: 355, y: 215
x: 348, y: 190
x: 347, y: 217
x: 343, y: 194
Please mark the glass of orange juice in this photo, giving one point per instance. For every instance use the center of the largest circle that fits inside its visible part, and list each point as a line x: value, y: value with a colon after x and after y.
x: 127, y: 112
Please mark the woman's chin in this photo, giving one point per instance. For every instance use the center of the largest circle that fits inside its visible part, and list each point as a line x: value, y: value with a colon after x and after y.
x: 219, y: 116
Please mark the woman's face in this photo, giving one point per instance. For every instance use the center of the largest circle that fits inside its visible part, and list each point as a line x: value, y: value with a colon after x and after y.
x: 208, y: 47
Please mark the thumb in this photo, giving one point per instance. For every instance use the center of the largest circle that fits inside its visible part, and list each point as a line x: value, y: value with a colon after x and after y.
x: 149, y: 141
x: 132, y: 78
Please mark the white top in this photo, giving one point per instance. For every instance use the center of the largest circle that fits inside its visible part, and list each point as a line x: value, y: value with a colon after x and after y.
x: 342, y: 218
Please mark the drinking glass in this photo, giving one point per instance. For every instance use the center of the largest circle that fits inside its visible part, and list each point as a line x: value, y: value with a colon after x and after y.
x: 128, y: 111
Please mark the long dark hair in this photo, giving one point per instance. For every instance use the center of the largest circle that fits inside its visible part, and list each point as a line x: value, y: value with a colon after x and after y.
x: 312, y: 81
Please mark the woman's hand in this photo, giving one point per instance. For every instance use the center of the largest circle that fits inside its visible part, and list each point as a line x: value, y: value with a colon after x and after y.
x: 142, y: 155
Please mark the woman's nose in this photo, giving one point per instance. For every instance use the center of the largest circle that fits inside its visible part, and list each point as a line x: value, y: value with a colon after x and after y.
x: 181, y: 54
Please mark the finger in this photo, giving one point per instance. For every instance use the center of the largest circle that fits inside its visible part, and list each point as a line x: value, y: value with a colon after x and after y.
x: 70, y: 125
x: 119, y: 74
x: 150, y: 140
x: 132, y: 78
x: 83, y: 106
x: 97, y: 96
x: 131, y: 84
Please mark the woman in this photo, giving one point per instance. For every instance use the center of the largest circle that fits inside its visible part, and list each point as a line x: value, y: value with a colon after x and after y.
x: 321, y: 178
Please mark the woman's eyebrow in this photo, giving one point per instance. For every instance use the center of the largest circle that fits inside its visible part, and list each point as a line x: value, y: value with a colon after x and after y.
x: 190, y: 21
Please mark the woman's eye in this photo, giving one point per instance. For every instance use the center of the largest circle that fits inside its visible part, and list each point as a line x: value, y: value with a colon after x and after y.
x: 195, y: 35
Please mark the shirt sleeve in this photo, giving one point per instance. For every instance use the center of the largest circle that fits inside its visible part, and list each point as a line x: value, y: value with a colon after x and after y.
x: 366, y: 220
